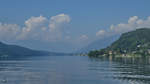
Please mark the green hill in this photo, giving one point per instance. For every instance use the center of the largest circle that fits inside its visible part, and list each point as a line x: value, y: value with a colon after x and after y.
x: 131, y: 43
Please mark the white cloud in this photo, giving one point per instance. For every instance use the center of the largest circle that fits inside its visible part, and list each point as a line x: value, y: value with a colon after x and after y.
x: 56, y: 27
x: 122, y: 27
x: 37, y: 28
x: 52, y: 29
x: 58, y: 20
x: 132, y: 24
x: 34, y: 27
x: 43, y: 29
x: 9, y: 31
x: 143, y: 23
x: 132, y: 20
x: 100, y: 33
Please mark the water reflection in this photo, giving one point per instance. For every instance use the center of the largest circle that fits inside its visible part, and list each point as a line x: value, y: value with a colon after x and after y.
x: 135, y: 70
x: 75, y: 70
x: 21, y: 70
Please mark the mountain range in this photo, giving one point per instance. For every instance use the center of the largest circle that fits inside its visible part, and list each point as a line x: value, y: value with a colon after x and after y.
x: 15, y: 50
x: 98, y: 44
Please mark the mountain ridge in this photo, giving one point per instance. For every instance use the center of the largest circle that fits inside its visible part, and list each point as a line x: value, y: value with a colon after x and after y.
x: 7, y: 50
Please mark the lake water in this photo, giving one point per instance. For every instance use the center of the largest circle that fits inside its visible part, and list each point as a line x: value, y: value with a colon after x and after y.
x: 75, y: 70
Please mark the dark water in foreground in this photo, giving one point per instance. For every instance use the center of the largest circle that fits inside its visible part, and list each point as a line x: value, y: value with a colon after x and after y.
x: 75, y: 70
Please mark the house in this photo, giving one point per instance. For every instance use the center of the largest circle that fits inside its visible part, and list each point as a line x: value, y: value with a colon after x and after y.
x: 110, y: 52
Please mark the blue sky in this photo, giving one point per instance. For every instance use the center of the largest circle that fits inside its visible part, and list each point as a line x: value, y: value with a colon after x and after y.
x: 86, y: 17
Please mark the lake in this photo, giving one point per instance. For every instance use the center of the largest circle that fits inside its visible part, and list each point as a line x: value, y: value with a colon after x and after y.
x: 74, y: 70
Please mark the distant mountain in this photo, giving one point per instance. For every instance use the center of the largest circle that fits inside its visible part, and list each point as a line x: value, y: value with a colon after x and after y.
x: 131, y: 43
x: 14, y: 50
x: 98, y: 44
x: 44, y: 45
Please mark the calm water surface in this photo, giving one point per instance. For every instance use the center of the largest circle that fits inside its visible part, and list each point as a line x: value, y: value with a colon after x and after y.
x: 75, y: 70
